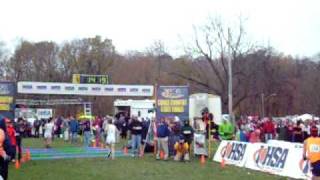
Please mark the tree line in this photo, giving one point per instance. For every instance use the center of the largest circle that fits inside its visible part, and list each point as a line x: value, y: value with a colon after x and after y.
x: 289, y: 84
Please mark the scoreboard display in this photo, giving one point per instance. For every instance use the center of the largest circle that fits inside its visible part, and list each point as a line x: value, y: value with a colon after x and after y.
x: 90, y: 79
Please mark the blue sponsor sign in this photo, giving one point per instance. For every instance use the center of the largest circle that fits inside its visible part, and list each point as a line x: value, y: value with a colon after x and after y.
x: 146, y: 90
x: 55, y: 87
x: 122, y: 89
x: 173, y: 101
x: 7, y: 90
x: 42, y: 87
x: 83, y: 89
x: 108, y: 89
x: 96, y: 89
x: 27, y: 87
x: 69, y: 88
x: 134, y: 89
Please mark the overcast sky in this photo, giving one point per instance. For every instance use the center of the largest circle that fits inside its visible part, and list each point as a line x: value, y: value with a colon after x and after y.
x: 291, y: 26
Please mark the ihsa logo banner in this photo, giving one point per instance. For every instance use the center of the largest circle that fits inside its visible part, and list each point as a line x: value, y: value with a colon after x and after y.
x: 273, y: 158
x: 232, y: 152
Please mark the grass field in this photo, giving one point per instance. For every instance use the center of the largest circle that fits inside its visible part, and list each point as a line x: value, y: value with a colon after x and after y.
x: 126, y: 168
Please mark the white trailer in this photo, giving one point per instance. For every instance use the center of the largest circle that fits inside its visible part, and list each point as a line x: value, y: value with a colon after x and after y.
x: 199, y: 101
x: 139, y: 108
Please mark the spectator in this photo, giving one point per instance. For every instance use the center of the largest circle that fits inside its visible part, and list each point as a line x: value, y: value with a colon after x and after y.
x: 163, y: 133
x: 187, y: 132
x: 241, y: 135
x: 12, y: 136
x: 290, y: 132
x: 269, y: 130
x: 66, y: 129
x: 297, y: 135
x: 282, y: 131
x: 123, y: 126
x: 58, y: 125
x: 86, y: 133
x: 74, y: 128
x: 226, y: 130
x: 6, y: 150
x: 19, y: 137
x: 136, y: 132
x: 36, y: 125
x: 97, y: 127
x: 174, y: 135
x: 254, y: 136
x: 182, y: 149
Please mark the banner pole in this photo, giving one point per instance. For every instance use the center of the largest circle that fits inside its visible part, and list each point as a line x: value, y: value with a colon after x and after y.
x: 156, y: 117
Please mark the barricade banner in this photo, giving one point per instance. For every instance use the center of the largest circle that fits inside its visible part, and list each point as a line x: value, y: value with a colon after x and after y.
x: 284, y: 143
x: 280, y: 158
x: 232, y: 152
x: 276, y: 157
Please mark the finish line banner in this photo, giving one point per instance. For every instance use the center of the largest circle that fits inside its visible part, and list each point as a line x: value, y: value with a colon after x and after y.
x: 84, y: 89
x: 278, y: 157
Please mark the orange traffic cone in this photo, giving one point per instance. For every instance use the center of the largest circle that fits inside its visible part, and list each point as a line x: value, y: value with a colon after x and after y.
x: 24, y: 158
x: 223, y: 163
x: 125, y: 150
x: 94, y: 144
x: 202, y: 160
x: 28, y: 155
x: 17, y: 164
x: 161, y: 155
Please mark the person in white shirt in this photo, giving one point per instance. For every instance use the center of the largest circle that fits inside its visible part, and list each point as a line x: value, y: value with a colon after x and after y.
x: 111, y: 131
x: 48, y: 132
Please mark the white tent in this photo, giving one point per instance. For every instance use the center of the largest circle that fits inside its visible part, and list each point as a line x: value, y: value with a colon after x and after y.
x: 305, y: 117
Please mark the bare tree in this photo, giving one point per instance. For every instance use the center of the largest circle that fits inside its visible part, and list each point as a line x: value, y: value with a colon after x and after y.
x: 214, y: 44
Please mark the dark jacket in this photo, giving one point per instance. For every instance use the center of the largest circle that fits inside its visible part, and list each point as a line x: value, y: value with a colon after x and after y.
x: 187, y: 132
x: 136, y: 127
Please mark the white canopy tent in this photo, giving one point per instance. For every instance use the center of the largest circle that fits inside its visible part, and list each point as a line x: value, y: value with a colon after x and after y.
x: 305, y: 117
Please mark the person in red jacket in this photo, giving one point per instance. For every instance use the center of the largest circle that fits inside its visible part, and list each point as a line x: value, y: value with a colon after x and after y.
x: 12, y: 135
x: 269, y: 130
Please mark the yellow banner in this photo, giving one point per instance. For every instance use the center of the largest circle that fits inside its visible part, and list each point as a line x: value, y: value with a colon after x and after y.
x: 76, y: 78
x: 6, y: 99
x: 4, y: 107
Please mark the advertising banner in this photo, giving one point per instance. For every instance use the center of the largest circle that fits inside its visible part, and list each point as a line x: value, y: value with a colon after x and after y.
x: 284, y: 160
x: 7, y: 93
x: 277, y: 157
x: 84, y: 89
x: 7, y: 89
x: 44, y: 113
x: 232, y: 152
x: 173, y: 101
x: 199, y: 144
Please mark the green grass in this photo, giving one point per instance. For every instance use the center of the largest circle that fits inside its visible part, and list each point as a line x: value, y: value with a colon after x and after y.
x: 126, y: 168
